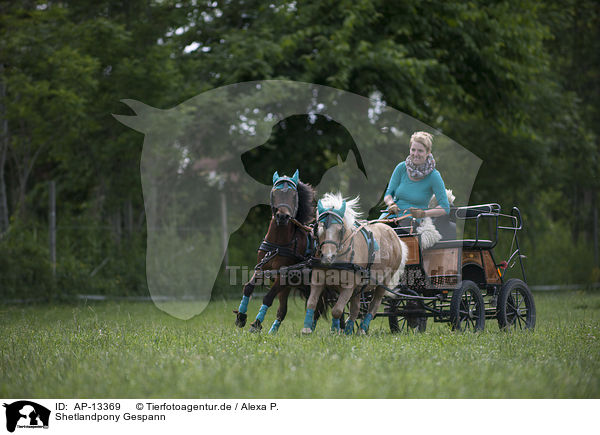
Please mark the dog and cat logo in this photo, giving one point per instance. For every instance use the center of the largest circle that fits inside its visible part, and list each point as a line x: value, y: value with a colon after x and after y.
x: 26, y: 414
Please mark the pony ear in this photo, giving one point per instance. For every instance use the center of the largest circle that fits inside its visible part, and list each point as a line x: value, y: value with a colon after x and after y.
x: 343, y: 209
x: 295, y: 177
x: 320, y: 207
x: 275, y: 177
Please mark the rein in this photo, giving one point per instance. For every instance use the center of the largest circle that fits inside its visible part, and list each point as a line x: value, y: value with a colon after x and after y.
x: 393, y: 220
x: 301, y: 225
x: 356, y: 230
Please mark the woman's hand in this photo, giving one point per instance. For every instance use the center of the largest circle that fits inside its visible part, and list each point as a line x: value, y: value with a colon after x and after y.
x: 417, y: 213
x: 393, y: 208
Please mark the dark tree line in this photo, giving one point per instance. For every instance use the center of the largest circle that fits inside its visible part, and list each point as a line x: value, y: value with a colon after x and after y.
x: 515, y: 82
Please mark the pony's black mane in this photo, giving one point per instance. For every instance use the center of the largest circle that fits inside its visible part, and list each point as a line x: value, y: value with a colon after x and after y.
x: 306, y: 203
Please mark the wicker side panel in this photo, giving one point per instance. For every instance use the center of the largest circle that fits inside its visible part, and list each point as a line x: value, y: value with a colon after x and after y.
x: 441, y: 261
x: 413, y: 249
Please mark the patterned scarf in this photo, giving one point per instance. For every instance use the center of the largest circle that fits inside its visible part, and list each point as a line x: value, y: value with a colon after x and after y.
x: 419, y: 172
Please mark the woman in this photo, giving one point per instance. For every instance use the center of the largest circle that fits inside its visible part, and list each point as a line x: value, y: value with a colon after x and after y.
x: 414, y: 181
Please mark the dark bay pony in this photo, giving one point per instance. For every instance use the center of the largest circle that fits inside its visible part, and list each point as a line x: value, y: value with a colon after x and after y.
x: 288, y: 241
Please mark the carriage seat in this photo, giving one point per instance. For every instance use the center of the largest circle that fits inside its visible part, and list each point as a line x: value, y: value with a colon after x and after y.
x: 467, y: 243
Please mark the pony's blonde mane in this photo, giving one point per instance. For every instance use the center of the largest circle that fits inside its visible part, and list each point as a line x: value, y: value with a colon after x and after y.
x: 335, y: 200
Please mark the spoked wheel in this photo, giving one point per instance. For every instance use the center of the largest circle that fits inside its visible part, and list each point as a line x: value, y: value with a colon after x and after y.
x: 467, y: 309
x: 406, y: 323
x: 516, y: 308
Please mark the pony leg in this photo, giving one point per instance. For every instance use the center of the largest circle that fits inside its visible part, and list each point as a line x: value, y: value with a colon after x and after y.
x: 241, y: 313
x: 335, y: 325
x: 256, y: 326
x: 343, y: 298
x: 319, y: 310
x: 373, y: 307
x: 283, y: 300
x: 281, y: 311
x: 317, y: 285
x: 354, y: 310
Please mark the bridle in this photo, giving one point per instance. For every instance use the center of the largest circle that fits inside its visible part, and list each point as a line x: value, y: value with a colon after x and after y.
x: 327, y: 218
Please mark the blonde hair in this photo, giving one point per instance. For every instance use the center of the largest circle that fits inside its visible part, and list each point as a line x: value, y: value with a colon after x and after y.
x: 423, y: 138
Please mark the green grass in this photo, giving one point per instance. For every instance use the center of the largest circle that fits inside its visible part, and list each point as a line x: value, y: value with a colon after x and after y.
x: 132, y: 350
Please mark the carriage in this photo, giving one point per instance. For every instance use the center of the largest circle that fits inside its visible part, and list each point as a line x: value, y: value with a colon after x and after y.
x: 460, y: 281
x: 453, y: 280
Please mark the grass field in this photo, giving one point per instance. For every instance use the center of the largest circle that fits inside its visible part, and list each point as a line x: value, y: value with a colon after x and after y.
x: 127, y: 350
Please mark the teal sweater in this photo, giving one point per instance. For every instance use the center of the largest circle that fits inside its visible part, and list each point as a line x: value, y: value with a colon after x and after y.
x: 408, y: 193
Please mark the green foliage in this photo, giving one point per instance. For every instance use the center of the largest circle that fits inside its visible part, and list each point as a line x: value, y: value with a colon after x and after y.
x: 25, y: 269
x: 554, y: 253
x: 515, y: 82
x: 129, y: 350
x: 89, y: 261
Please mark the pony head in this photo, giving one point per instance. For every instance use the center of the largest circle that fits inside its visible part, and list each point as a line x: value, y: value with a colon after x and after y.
x: 284, y: 198
x: 335, y: 217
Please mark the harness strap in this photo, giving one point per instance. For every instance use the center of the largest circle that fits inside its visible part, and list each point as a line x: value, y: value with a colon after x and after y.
x: 290, y: 249
x: 310, y: 245
x: 283, y: 250
x: 268, y: 256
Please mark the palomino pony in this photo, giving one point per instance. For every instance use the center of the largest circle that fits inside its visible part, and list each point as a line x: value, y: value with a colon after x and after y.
x: 355, y: 257
x: 288, y: 242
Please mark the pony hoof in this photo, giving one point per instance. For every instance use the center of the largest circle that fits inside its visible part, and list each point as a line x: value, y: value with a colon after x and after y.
x: 240, y: 320
x: 255, y: 326
x: 306, y: 331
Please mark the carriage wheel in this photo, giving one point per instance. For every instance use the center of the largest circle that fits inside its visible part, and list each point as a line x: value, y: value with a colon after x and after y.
x: 516, y: 308
x: 400, y: 323
x: 467, y: 309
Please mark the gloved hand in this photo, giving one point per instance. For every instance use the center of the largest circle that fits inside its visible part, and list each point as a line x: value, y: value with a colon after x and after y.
x: 393, y: 208
x: 417, y: 213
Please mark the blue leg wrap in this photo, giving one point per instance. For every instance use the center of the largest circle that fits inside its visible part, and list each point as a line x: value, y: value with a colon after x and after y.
x: 244, y: 304
x: 335, y: 325
x: 308, y: 319
x: 275, y: 327
x: 349, y: 329
x: 366, y: 322
x: 261, y: 313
